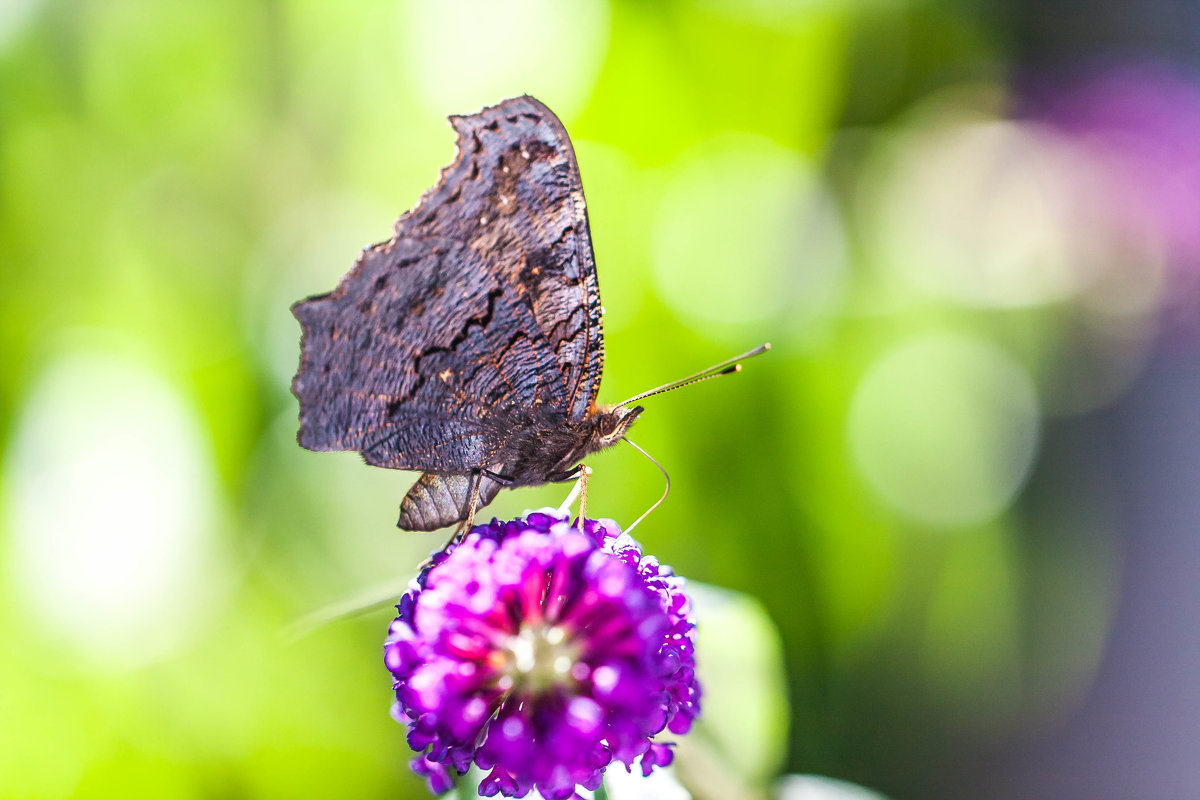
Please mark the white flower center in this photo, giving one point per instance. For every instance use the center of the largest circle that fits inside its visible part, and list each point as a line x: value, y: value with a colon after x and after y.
x: 540, y: 657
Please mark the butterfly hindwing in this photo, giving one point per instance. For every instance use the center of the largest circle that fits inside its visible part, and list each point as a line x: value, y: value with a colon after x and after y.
x: 411, y: 357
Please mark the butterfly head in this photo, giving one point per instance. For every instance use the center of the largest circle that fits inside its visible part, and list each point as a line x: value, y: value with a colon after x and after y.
x: 611, y: 424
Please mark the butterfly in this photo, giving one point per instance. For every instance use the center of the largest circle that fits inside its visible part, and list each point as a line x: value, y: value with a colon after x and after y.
x: 469, y: 346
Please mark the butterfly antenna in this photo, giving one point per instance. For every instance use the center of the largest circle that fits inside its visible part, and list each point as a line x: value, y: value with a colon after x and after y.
x: 666, y: 491
x: 727, y: 367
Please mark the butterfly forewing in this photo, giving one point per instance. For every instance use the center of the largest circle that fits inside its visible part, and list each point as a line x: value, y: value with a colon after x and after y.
x: 516, y: 175
x: 485, y: 303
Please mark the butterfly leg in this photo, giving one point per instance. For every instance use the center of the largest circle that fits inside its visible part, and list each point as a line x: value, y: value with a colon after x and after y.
x: 565, y: 476
x: 576, y: 474
x: 465, y: 525
x: 584, y: 472
x: 503, y: 480
x: 476, y: 482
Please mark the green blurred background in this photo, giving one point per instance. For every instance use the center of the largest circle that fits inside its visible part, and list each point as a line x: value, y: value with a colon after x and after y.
x: 962, y: 485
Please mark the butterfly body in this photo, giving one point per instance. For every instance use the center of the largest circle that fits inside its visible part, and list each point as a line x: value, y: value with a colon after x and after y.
x: 544, y: 443
x: 469, y: 345
x: 542, y: 447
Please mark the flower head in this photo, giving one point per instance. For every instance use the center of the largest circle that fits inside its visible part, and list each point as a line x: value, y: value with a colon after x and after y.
x: 542, y: 653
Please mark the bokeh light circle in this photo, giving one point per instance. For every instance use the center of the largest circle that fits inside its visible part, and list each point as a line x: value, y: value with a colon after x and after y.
x: 747, y: 232
x: 980, y: 211
x: 111, y: 511
x: 944, y: 428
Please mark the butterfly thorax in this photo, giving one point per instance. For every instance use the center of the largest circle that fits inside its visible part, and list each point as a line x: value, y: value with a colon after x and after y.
x: 546, y: 445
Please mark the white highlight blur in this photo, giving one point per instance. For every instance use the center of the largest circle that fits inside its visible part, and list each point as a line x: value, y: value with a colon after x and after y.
x: 465, y: 54
x: 14, y: 18
x: 944, y: 428
x: 111, y: 504
x: 818, y: 787
x: 661, y: 784
x: 981, y: 212
x: 989, y: 212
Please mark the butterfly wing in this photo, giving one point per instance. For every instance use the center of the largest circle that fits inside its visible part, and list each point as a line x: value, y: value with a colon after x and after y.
x: 516, y: 168
x: 484, y: 303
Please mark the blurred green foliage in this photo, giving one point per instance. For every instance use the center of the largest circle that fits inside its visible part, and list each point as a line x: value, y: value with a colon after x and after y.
x: 174, y: 175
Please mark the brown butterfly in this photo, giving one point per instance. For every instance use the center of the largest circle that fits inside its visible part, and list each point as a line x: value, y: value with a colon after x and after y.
x: 469, y: 345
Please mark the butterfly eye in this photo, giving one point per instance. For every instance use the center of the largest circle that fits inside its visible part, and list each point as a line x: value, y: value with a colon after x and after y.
x: 612, y: 424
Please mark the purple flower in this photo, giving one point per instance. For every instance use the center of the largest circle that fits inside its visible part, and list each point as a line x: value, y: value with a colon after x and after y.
x: 542, y: 653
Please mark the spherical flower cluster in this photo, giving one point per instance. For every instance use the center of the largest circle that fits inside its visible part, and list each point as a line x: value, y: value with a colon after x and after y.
x: 541, y: 653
